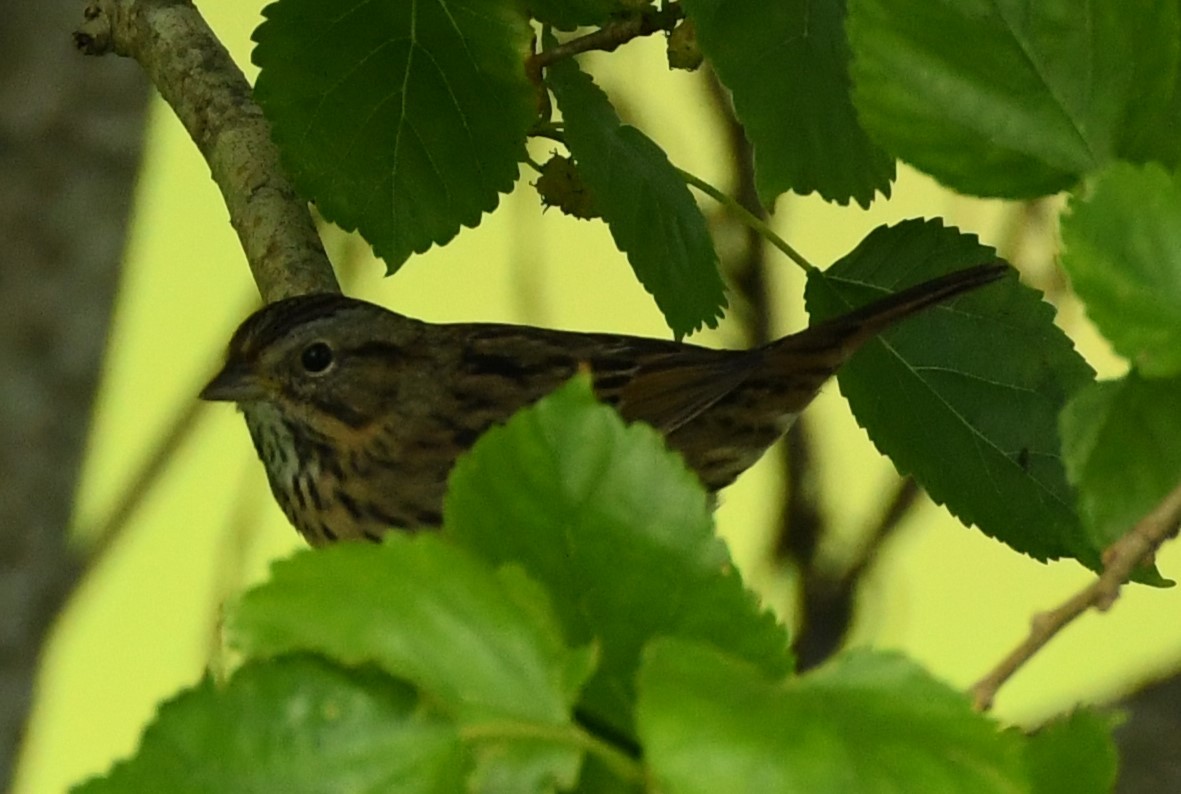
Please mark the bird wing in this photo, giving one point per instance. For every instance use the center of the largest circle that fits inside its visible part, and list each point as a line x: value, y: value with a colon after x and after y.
x: 671, y: 390
x: 661, y: 382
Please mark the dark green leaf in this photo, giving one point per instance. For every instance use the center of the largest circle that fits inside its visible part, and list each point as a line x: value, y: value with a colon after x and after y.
x: 1011, y: 98
x: 645, y: 201
x: 1154, y: 108
x: 865, y: 722
x: 597, y: 778
x: 1122, y: 444
x: 295, y: 724
x: 786, y: 65
x: 483, y: 646
x: 402, y: 120
x: 618, y: 530
x: 964, y: 396
x: 570, y: 14
x: 1123, y: 253
x: 1073, y: 755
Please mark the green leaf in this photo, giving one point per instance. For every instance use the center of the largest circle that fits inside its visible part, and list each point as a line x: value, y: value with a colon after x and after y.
x: 571, y: 14
x: 864, y: 722
x: 786, y: 65
x: 1149, y: 132
x: 1123, y: 253
x: 295, y: 724
x: 597, y: 778
x: 618, y: 530
x: 1073, y: 755
x: 964, y: 396
x: 1011, y: 98
x: 483, y: 646
x: 1122, y: 444
x: 402, y: 120
x: 644, y: 200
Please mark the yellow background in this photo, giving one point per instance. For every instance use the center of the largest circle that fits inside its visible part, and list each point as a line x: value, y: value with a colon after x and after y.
x: 144, y: 622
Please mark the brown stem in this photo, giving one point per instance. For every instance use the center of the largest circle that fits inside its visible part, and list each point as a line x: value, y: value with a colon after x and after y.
x: 828, y: 595
x: 1119, y: 560
x: 143, y: 481
x: 611, y: 36
x: 211, y: 97
x: 901, y: 504
x: 801, y: 523
x: 141, y: 484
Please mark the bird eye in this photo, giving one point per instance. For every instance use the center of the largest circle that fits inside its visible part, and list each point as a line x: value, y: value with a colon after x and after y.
x: 316, y: 358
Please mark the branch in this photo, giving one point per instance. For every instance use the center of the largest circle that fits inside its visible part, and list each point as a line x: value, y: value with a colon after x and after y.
x: 901, y: 504
x: 1119, y: 560
x: 211, y: 97
x: 829, y: 595
x: 611, y: 36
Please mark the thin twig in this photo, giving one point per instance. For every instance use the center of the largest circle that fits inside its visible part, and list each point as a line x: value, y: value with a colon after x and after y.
x: 142, y: 483
x: 729, y: 203
x: 749, y: 218
x: 611, y: 36
x: 828, y: 597
x: 1119, y: 560
x: 207, y: 91
x: 906, y: 496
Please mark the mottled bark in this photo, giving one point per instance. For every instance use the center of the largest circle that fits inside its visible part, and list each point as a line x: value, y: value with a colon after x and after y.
x: 1149, y: 740
x: 211, y: 98
x: 70, y: 139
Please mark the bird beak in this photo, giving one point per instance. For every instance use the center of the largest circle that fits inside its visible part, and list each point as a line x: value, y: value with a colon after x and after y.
x: 233, y: 384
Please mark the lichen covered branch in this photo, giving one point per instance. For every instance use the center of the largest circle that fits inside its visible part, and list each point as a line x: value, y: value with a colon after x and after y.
x: 209, y: 94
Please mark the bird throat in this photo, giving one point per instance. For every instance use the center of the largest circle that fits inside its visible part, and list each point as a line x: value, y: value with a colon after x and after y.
x: 292, y: 460
x: 307, y: 475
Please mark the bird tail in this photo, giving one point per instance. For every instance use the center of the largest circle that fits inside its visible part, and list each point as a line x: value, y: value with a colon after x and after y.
x: 821, y: 349
x: 861, y: 325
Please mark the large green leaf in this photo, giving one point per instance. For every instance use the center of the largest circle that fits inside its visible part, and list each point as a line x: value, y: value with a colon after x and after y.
x: 483, y: 646
x: 1012, y: 98
x: 618, y: 530
x: 1122, y: 242
x: 865, y: 722
x: 295, y: 724
x: 644, y: 201
x: 1122, y: 445
x: 786, y: 65
x: 404, y: 120
x: 964, y: 396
